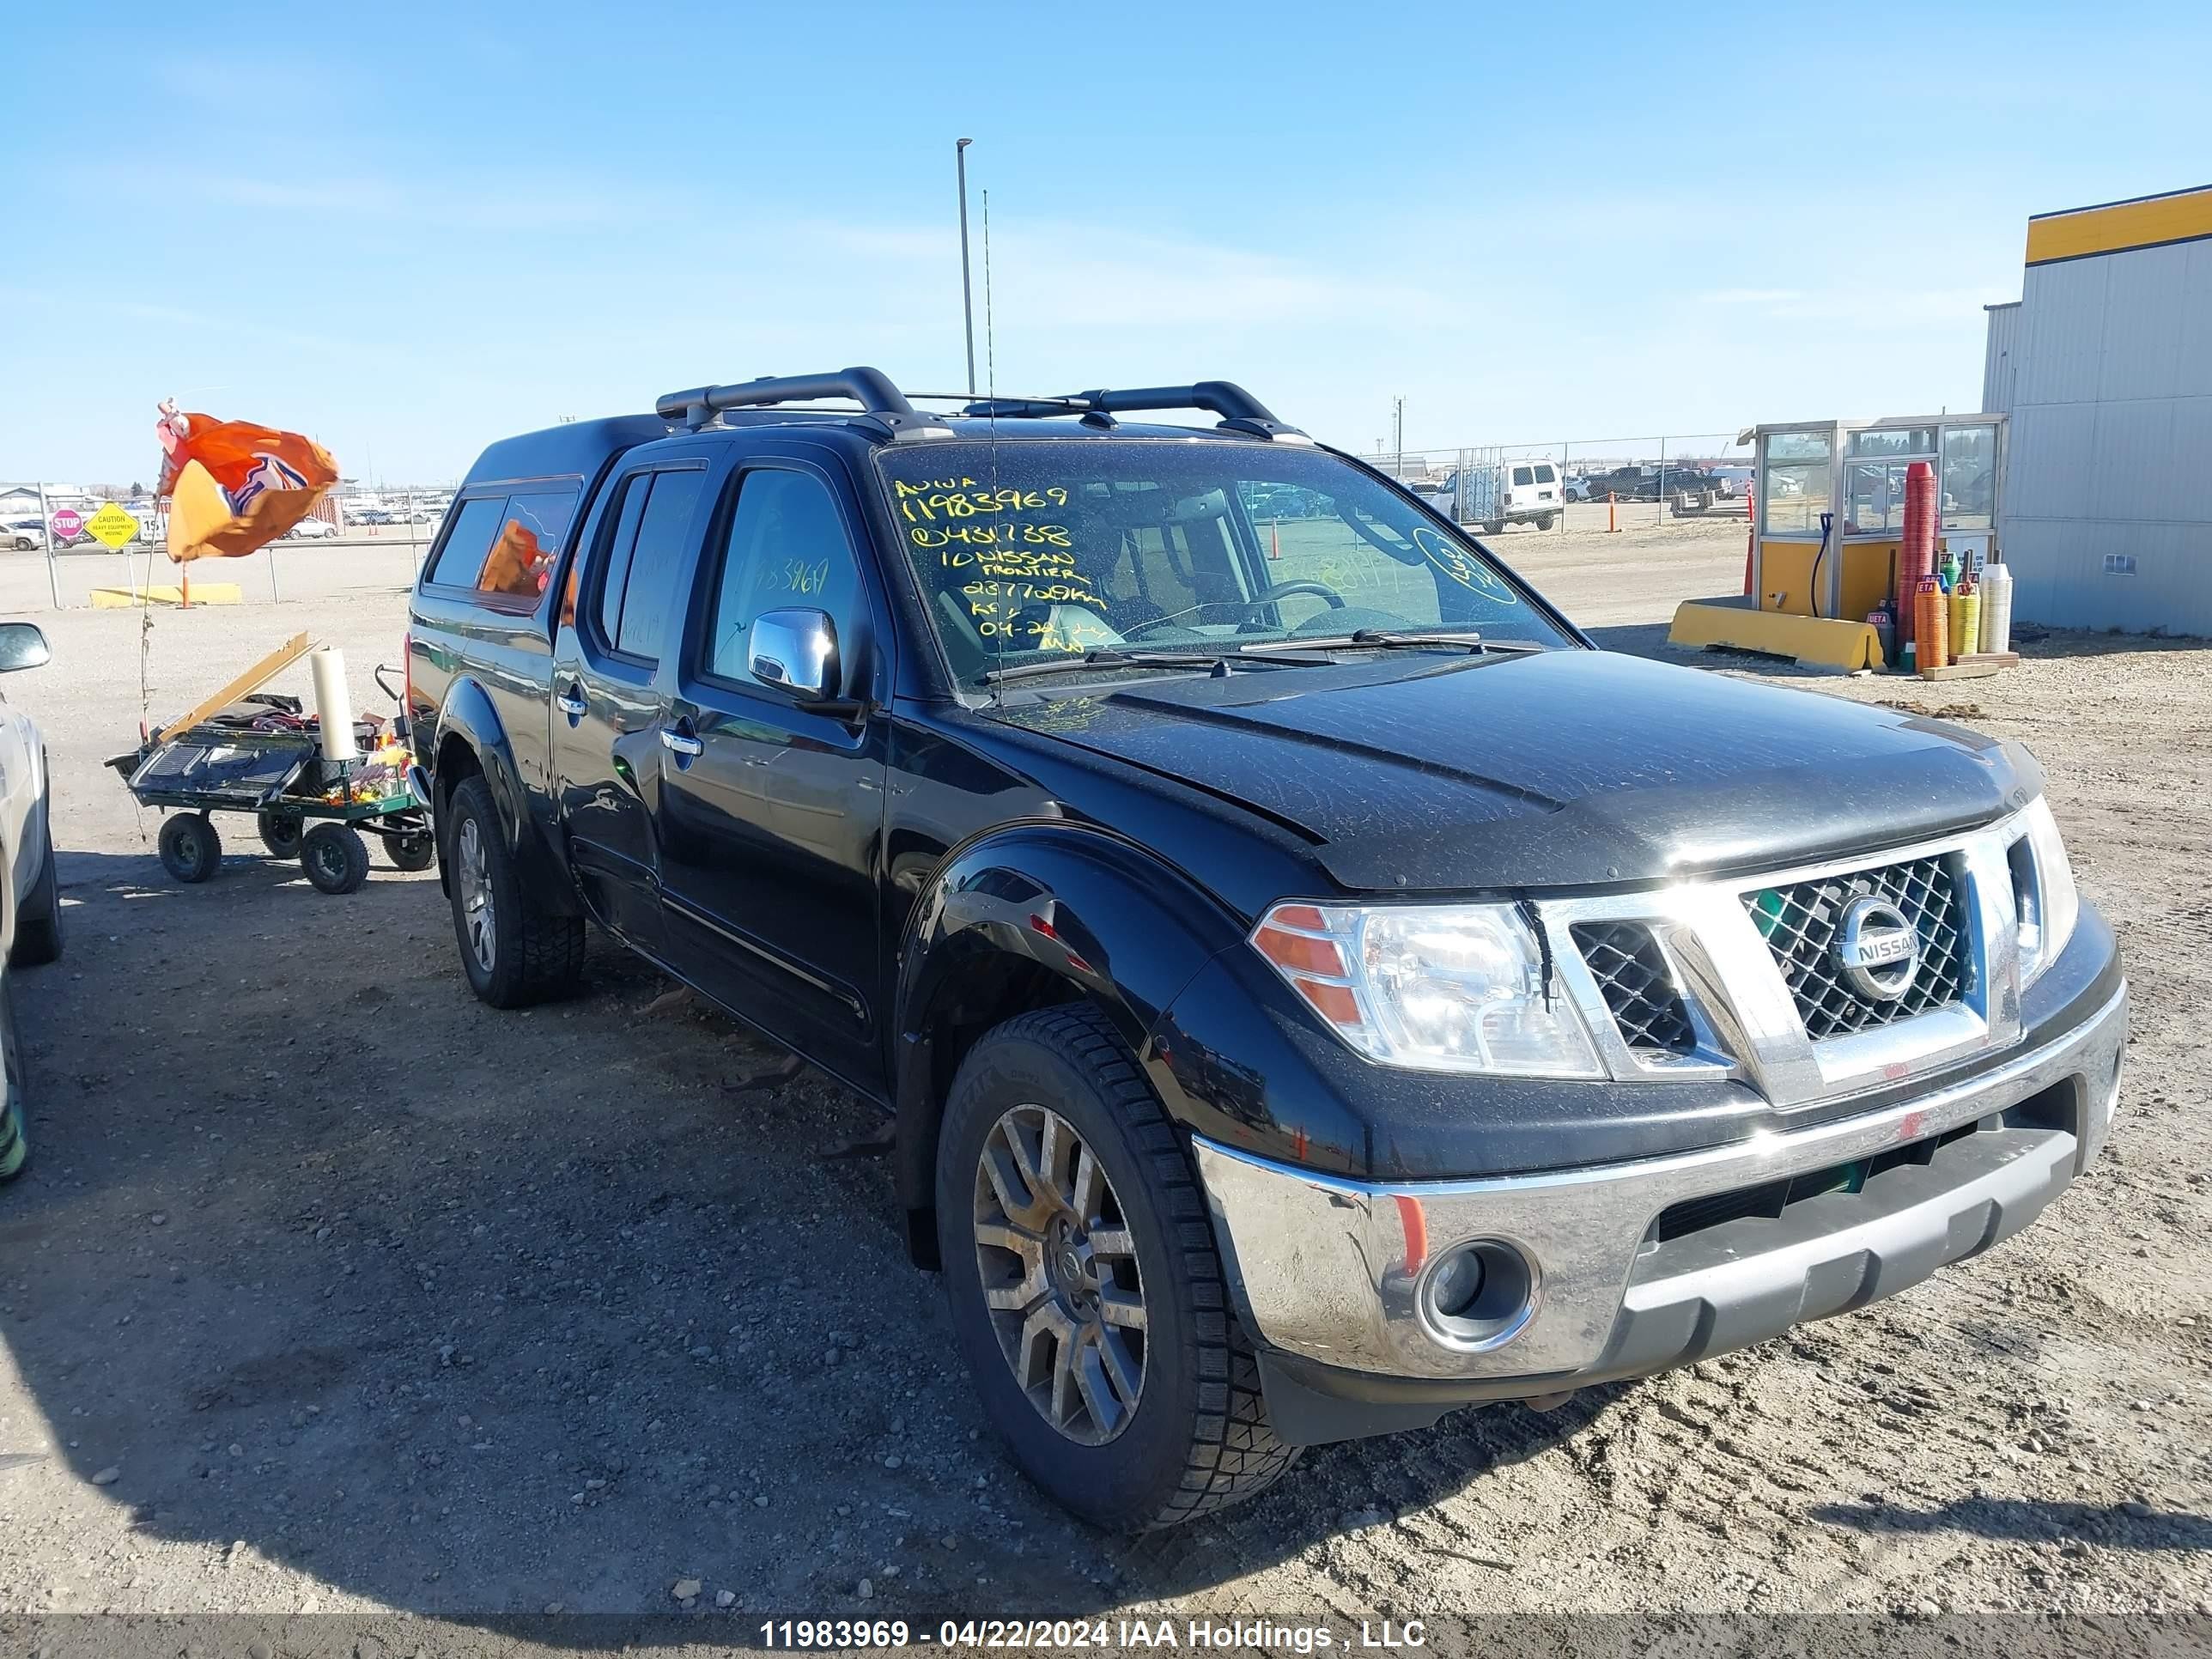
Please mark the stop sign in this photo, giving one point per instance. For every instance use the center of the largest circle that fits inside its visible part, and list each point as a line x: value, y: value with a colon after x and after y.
x: 67, y: 524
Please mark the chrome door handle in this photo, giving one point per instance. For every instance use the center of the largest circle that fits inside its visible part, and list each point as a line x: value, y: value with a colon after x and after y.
x: 568, y: 703
x: 677, y: 743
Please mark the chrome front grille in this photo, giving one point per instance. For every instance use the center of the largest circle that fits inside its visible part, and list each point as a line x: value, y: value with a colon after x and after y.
x: 1637, y: 986
x: 1799, y: 923
x: 1747, y: 965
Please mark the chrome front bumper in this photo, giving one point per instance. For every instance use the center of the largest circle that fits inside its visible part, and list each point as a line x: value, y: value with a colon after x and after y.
x: 1334, y: 1270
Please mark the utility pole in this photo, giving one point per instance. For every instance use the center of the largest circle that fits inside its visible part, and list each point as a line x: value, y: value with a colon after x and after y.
x: 966, y: 296
x: 1398, y: 428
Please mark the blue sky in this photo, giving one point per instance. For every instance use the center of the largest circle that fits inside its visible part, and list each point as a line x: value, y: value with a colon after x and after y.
x: 410, y: 231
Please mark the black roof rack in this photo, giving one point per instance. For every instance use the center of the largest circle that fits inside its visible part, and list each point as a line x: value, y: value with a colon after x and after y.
x: 1239, y: 410
x: 885, y: 405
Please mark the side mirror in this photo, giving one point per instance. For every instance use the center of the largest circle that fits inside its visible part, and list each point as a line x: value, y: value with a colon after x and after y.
x: 23, y: 645
x: 796, y: 651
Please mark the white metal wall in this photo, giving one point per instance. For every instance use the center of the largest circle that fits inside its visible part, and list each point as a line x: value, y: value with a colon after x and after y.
x: 2110, y: 363
x: 1997, y: 360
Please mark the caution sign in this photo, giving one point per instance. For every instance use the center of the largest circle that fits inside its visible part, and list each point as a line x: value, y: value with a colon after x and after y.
x: 111, y: 528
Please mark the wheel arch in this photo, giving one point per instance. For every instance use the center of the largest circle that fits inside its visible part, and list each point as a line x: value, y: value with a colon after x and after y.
x: 473, y: 742
x: 1028, y: 917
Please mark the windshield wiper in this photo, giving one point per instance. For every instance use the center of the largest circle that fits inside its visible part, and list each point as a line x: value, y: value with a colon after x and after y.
x: 1114, y: 657
x: 1409, y: 639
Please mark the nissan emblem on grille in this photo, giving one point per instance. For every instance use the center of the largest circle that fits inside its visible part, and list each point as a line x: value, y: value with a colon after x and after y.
x: 1839, y: 987
x: 1877, y: 949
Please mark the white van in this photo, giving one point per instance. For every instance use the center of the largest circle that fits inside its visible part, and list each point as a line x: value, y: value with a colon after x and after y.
x: 1498, y: 493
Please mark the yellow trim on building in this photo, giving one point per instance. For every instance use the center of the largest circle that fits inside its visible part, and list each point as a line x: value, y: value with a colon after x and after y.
x: 2146, y: 222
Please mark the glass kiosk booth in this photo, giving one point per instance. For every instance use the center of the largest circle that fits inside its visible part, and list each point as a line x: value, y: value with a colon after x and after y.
x: 1810, y: 589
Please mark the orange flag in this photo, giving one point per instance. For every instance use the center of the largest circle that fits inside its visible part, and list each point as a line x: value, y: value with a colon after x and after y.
x: 233, y: 486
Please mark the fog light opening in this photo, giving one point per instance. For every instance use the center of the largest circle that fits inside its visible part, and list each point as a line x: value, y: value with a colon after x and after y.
x: 1479, y: 1294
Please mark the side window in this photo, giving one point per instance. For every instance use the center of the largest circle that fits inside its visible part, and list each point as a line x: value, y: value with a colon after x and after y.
x: 787, y: 547
x: 655, y: 559
x: 475, y: 523
x: 621, y: 542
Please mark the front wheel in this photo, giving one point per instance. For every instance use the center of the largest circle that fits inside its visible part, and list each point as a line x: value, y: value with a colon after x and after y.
x: 38, y: 926
x: 191, y: 850
x: 1086, y: 1295
x: 15, y: 1127
x: 334, y: 858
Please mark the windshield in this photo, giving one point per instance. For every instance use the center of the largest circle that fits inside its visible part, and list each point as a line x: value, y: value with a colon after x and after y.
x: 1028, y: 549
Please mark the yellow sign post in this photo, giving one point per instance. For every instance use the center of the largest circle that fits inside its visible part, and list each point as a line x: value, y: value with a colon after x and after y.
x: 111, y: 528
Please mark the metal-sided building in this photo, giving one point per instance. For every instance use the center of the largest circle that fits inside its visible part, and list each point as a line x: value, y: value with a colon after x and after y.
x: 2105, y: 365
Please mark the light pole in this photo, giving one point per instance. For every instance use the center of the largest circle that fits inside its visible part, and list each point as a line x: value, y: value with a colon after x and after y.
x: 966, y: 298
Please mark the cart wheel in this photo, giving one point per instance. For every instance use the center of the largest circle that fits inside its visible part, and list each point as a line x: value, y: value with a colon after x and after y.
x: 191, y: 849
x: 281, y: 830
x: 334, y: 858
x: 414, y: 852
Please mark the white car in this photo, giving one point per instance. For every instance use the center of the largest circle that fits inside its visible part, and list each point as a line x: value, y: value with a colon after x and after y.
x: 312, y: 530
x: 30, y: 899
x: 23, y: 535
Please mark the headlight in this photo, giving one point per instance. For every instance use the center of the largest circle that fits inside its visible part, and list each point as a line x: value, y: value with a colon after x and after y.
x: 2042, y: 890
x: 1436, y: 988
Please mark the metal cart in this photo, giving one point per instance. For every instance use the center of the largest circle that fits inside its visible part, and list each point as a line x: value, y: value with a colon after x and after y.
x: 252, y: 756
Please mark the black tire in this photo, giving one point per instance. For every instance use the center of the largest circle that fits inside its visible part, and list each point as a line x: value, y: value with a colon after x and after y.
x: 191, y: 849
x: 1494, y: 527
x: 281, y: 830
x: 411, y: 851
x: 526, y: 952
x: 1197, y: 1437
x: 39, y: 927
x: 1545, y: 520
x: 15, y: 1127
x: 334, y: 859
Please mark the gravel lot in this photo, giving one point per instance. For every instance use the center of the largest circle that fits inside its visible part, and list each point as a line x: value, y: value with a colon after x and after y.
x: 331, y: 1290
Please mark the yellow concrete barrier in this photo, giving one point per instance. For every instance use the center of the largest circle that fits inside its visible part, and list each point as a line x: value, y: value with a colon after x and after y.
x: 1738, y: 621
x: 113, y: 599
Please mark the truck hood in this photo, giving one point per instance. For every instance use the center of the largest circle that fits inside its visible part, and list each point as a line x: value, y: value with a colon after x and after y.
x: 1566, y: 769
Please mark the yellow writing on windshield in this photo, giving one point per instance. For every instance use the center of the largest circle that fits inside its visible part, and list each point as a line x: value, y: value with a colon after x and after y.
x: 957, y: 499
x: 1462, y: 566
x: 991, y: 535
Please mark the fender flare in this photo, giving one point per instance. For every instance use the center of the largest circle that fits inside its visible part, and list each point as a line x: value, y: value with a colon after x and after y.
x: 469, y: 718
x: 1110, y: 922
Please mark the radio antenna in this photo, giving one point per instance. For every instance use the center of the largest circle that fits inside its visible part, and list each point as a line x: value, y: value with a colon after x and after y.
x: 991, y: 383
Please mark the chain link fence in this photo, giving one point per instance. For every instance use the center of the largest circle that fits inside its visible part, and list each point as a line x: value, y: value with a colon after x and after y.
x: 1676, y: 475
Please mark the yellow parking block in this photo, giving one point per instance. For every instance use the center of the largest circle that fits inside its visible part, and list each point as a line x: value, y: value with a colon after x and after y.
x: 113, y: 598
x: 1737, y: 622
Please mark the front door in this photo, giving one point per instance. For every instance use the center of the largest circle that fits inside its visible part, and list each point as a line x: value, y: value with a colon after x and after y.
x: 607, y: 709
x: 770, y: 813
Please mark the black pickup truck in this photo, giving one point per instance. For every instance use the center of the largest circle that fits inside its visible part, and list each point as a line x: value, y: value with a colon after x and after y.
x: 1309, y: 987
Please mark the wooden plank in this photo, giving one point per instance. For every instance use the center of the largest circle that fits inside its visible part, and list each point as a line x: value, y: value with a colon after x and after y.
x: 1961, y: 671
x: 2002, y: 658
x: 253, y: 679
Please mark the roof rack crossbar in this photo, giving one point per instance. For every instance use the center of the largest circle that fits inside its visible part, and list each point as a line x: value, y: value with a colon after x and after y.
x: 884, y: 403
x: 1238, y: 407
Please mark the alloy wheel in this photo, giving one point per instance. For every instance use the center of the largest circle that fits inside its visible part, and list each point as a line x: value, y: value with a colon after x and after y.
x: 474, y: 876
x: 1058, y: 1271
